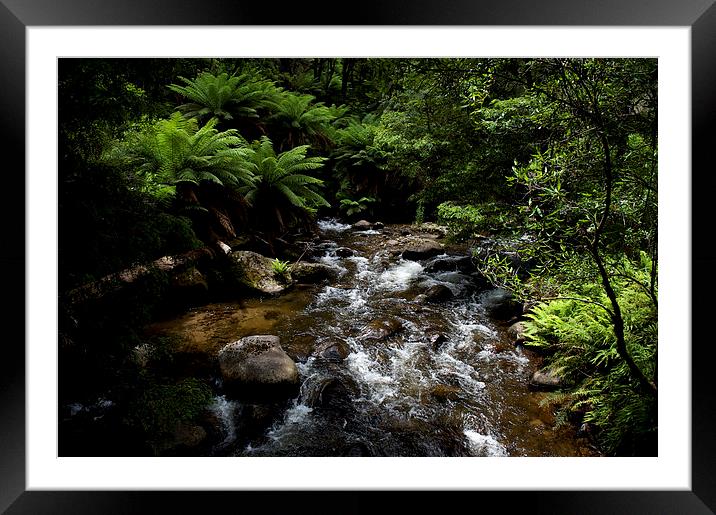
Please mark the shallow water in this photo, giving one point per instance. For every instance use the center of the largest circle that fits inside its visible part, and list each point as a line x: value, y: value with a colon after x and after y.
x: 396, y: 396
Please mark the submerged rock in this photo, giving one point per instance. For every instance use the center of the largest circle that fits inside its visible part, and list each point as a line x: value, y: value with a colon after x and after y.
x: 444, y: 392
x: 312, y: 272
x: 344, y: 252
x: 420, y: 299
x: 258, y: 366
x: 382, y: 328
x: 255, y: 272
x: 438, y: 293
x: 333, y: 350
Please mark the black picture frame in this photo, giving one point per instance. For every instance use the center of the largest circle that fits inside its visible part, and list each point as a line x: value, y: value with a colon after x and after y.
x: 699, y: 15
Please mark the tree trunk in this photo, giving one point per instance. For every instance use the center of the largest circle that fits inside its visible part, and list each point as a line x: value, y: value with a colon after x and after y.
x: 114, y: 282
x: 617, y: 318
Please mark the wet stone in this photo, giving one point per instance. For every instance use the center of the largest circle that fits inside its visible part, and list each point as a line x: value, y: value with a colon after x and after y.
x: 422, y: 249
x: 444, y: 392
x: 438, y: 293
x: 381, y: 329
x: 257, y: 366
x: 437, y: 341
x: 545, y: 380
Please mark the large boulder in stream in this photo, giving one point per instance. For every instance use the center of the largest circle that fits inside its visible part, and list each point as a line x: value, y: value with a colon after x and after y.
x: 257, y: 366
x: 450, y: 264
x: 362, y: 225
x: 309, y: 273
x: 255, y: 272
x: 422, y: 249
x: 501, y: 304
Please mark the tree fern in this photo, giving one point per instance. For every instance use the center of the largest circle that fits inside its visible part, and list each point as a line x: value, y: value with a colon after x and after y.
x: 301, y: 122
x: 224, y: 96
x: 202, y: 163
x: 359, y: 163
x: 282, y: 191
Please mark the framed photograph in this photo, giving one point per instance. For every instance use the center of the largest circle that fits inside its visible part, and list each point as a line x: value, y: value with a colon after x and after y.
x: 44, y: 472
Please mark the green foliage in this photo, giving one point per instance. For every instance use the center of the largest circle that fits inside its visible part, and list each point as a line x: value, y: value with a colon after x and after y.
x: 205, y: 166
x: 359, y: 165
x: 159, y: 407
x: 282, y: 194
x: 356, y: 207
x: 225, y: 96
x: 579, y: 341
x: 299, y: 121
x: 177, y: 151
x: 462, y: 221
x: 281, y: 268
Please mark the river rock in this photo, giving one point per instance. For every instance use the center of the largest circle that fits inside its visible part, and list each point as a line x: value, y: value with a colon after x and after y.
x: 188, y: 435
x: 517, y: 332
x: 545, y: 380
x: 438, y: 293
x: 255, y: 272
x: 333, y: 350
x: 422, y: 249
x: 189, y: 287
x: 501, y: 304
x: 439, y: 230
x: 378, y: 225
x: 382, y: 328
x: 362, y: 225
x: 258, y: 365
x: 420, y: 299
x: 444, y: 392
x: 437, y: 341
x: 344, y: 252
x: 312, y: 272
x: 449, y: 264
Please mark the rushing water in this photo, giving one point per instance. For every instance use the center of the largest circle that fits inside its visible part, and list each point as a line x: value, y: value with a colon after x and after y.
x: 445, y: 381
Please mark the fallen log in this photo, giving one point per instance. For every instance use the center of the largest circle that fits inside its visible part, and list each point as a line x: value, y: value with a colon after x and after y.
x: 166, y: 264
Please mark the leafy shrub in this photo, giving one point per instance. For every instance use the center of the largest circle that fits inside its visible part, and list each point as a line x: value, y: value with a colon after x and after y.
x: 462, y: 221
x: 158, y: 409
x: 356, y: 207
x: 581, y: 346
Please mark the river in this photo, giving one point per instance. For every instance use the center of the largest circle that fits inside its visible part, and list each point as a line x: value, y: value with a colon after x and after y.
x: 382, y: 374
